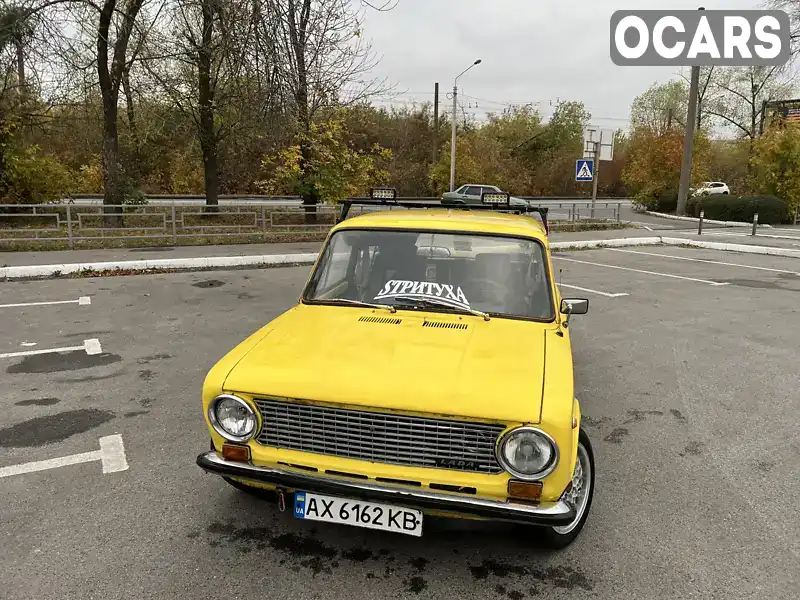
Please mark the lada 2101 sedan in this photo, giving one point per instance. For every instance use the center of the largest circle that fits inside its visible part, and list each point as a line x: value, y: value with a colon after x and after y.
x: 426, y: 370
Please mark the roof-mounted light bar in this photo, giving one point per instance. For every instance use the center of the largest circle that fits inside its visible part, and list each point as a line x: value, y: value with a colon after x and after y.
x: 496, y: 198
x: 383, y: 193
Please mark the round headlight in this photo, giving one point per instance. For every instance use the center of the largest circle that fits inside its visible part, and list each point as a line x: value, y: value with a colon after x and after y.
x: 528, y: 453
x: 232, y: 418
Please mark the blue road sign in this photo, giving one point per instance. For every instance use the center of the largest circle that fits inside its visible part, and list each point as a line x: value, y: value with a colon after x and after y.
x: 584, y: 169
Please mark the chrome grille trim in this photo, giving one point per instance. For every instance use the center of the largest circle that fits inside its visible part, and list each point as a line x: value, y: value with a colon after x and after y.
x: 379, y: 436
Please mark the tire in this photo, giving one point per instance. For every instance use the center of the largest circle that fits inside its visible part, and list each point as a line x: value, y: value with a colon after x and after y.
x: 555, y: 538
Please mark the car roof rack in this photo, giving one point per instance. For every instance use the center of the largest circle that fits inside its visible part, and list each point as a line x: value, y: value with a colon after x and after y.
x: 496, y: 202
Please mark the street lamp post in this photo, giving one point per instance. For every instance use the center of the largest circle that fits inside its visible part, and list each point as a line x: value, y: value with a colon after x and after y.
x: 453, y: 140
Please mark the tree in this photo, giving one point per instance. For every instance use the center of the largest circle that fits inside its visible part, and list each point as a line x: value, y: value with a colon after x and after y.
x: 744, y: 92
x: 324, y: 62
x: 655, y: 162
x: 707, y: 93
x: 776, y: 164
x: 329, y: 164
x: 198, y: 63
x: 661, y: 107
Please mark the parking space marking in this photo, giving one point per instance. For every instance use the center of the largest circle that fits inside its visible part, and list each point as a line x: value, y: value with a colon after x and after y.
x: 582, y: 289
x: 111, y: 455
x: 703, y: 260
x: 90, y: 346
x: 82, y: 301
x: 586, y: 262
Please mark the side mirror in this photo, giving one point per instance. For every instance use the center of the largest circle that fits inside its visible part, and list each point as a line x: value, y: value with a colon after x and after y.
x: 574, y: 306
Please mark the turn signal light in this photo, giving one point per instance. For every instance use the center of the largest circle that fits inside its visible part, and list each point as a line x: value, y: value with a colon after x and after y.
x: 524, y: 490
x: 234, y: 452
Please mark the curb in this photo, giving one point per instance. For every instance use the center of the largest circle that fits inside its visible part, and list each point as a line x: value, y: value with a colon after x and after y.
x: 267, y: 260
x: 695, y: 220
x: 159, y: 264
x: 744, y: 248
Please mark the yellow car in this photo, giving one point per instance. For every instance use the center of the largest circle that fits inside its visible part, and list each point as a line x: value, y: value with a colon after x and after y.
x: 413, y: 379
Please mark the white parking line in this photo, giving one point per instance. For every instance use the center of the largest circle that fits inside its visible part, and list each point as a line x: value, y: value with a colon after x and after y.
x: 575, y: 287
x: 90, y: 346
x: 82, y: 301
x: 702, y: 260
x: 586, y: 262
x: 111, y: 455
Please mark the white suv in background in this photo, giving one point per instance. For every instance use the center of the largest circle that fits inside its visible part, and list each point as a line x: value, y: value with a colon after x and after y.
x: 712, y: 187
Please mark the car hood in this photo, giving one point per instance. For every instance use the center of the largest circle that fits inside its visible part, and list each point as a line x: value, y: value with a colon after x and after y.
x: 489, y: 369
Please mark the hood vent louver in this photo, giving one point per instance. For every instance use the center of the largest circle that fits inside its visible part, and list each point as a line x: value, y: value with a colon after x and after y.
x: 386, y: 320
x: 444, y: 325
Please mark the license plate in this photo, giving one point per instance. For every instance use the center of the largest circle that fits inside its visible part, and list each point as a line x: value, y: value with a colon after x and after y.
x: 358, y: 513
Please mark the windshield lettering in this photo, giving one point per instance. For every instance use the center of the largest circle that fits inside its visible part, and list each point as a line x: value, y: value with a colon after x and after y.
x: 395, y: 288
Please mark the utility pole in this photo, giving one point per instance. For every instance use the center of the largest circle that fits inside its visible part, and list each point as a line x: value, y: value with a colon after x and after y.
x: 688, y: 140
x: 436, y: 124
x: 596, y: 174
x: 453, y: 139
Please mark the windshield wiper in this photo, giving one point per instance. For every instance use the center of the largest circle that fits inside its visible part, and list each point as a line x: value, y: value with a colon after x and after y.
x: 388, y: 307
x: 443, y: 303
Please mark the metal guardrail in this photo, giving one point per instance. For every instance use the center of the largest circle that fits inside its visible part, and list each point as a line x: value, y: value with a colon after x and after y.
x: 230, y: 199
x: 72, y: 222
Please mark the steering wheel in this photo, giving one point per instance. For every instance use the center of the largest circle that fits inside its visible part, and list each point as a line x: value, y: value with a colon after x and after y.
x: 499, y: 290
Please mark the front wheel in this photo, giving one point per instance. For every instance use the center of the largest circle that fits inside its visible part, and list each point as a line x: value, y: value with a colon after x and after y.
x: 580, y: 496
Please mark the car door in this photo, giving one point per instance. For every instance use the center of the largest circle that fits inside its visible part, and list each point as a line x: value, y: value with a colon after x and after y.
x: 472, y: 194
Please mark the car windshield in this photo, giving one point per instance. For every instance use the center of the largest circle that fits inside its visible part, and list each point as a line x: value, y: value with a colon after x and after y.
x: 439, y: 272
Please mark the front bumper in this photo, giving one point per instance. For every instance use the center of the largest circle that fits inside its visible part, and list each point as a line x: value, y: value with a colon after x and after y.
x: 546, y: 513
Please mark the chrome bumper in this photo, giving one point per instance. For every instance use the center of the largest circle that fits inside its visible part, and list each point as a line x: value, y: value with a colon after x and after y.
x: 546, y: 513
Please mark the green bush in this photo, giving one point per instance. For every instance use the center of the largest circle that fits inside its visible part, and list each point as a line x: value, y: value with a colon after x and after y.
x: 770, y: 209
x: 693, y: 206
x: 667, y: 201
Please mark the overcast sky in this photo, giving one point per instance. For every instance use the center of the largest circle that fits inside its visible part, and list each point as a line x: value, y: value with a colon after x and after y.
x: 531, y: 51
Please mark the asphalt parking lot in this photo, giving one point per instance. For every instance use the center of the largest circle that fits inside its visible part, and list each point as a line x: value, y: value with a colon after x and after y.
x: 686, y: 367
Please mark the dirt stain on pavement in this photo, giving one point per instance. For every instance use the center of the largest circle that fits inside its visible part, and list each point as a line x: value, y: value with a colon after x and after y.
x: 38, y: 402
x: 678, y: 415
x: 148, y: 359
x: 617, y: 435
x: 146, y: 374
x: 357, y: 554
x: 89, y: 378
x: 756, y: 284
x: 693, y: 449
x: 564, y: 577
x: 593, y: 422
x: 415, y: 585
x: 640, y: 415
x: 87, y: 334
x: 211, y: 283
x: 135, y: 413
x: 62, y: 361
x: 53, y: 428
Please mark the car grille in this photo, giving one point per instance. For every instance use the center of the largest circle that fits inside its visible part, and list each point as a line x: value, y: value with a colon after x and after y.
x: 379, y: 437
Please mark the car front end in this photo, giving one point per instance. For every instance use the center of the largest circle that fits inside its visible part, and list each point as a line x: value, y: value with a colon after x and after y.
x: 378, y: 400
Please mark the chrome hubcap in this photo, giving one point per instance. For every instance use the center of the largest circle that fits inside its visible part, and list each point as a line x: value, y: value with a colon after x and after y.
x: 578, y: 495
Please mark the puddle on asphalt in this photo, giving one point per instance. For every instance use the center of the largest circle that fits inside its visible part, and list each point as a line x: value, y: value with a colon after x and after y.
x: 62, y: 361
x: 52, y: 428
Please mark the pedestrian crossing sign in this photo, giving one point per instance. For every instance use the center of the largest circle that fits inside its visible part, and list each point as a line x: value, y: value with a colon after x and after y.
x: 584, y: 169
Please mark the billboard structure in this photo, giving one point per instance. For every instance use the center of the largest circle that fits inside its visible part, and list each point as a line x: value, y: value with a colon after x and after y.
x: 778, y: 113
